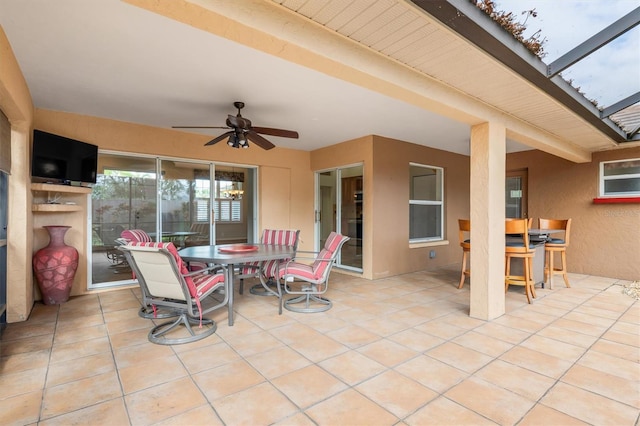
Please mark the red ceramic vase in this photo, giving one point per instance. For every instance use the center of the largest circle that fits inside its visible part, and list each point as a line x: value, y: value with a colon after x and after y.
x: 55, y: 267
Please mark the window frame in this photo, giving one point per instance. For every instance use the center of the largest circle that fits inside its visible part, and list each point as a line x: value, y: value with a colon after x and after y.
x: 602, y: 179
x: 440, y: 203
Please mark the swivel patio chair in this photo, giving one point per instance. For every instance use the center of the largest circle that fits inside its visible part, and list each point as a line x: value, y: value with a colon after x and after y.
x: 267, y: 272
x: 166, y: 282
x: 308, y: 282
x: 519, y: 248
x: 464, y: 231
x: 556, y: 245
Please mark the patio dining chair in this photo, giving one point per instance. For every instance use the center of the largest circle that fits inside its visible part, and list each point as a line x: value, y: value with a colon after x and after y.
x: 166, y: 282
x: 267, y: 272
x: 308, y: 282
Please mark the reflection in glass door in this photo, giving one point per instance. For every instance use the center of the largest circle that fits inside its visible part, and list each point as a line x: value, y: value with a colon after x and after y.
x: 516, y: 194
x: 124, y: 197
x: 340, y: 208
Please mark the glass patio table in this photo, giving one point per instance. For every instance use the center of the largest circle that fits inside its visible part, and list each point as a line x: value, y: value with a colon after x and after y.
x: 231, y: 255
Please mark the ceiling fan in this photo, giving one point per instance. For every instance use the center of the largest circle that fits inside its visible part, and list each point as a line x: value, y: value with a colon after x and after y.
x: 242, y: 131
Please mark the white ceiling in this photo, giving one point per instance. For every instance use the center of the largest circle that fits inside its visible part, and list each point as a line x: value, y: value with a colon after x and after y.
x: 109, y: 59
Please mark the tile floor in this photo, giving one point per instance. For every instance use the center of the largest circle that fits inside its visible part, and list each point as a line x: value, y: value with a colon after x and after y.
x: 397, y: 351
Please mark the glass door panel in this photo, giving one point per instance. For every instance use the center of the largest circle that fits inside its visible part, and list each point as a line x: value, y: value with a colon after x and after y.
x: 124, y: 197
x: 516, y: 194
x: 185, y: 203
x: 351, y: 200
x: 340, y: 207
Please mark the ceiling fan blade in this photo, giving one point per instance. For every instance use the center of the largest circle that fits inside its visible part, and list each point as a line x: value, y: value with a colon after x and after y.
x: 259, y: 140
x: 276, y: 132
x: 199, y: 127
x: 219, y: 138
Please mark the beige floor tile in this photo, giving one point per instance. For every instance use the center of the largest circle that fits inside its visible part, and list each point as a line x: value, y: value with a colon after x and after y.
x: 613, y: 387
x: 622, y: 337
x: 107, y: 413
x: 416, y: 340
x: 151, y: 372
x: 619, y: 350
x: 253, y: 344
x: 352, y: 367
x: 163, y: 402
x: 353, y: 336
x: 25, y: 361
x: 508, y: 376
x: 298, y: 419
x: 80, y: 368
x: 568, y: 336
x: 22, y: 409
x: 396, y: 393
x: 208, y: 357
x: 596, y: 322
x: 382, y: 326
x: 261, y: 404
x: 610, y: 365
x: 541, y: 415
x: 28, y: 344
x: 27, y: 381
x: 227, y: 379
x: 460, y: 357
x: 387, y: 353
x: 535, y: 361
x: 276, y: 362
x: 86, y: 392
x: 445, y: 412
x: 523, y: 324
x: 502, y: 406
x: 502, y: 332
x: 68, y: 336
x: 131, y: 355
x: 432, y: 373
x: 130, y: 338
x: 23, y: 330
x: 482, y: 343
x: 319, y: 348
x: 73, y: 321
x: 589, y: 407
x: 71, y: 351
x: 350, y: 408
x: 561, y: 350
x: 308, y: 385
x: 441, y: 329
x: 203, y: 415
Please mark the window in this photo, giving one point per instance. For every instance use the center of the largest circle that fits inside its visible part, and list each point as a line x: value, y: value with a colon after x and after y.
x: 426, y: 204
x: 620, y: 178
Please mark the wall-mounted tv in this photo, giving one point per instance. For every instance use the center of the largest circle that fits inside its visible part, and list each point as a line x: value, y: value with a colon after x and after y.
x: 61, y: 160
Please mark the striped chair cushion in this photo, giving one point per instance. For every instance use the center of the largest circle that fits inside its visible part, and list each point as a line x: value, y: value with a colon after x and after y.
x: 135, y: 235
x: 322, y: 262
x: 283, y: 237
x: 198, y: 284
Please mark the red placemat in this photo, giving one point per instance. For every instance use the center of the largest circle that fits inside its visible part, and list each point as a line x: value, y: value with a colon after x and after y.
x: 238, y: 248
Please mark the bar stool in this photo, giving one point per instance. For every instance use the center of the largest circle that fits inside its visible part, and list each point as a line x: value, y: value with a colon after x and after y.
x: 556, y: 245
x: 464, y: 231
x: 519, y: 248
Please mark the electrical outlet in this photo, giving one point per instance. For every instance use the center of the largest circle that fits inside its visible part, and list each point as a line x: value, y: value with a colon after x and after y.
x: 432, y: 254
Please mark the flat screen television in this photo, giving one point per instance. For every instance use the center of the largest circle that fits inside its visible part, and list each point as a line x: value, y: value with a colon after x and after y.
x: 61, y: 160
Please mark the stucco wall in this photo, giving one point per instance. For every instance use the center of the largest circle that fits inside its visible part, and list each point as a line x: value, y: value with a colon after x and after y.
x: 605, y: 238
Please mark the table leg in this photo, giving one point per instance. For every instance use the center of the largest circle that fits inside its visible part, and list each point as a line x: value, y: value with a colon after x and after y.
x: 230, y: 275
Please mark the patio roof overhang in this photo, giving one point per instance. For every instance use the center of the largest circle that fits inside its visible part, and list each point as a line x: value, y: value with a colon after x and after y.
x: 472, y: 24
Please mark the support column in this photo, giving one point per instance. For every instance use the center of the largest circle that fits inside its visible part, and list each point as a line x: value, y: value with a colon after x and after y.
x: 488, y: 150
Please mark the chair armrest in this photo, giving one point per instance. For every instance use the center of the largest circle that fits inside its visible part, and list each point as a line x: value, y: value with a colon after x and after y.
x: 207, y: 270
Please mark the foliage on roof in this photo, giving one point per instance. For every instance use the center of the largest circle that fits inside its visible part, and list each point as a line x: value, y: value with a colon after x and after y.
x: 509, y: 21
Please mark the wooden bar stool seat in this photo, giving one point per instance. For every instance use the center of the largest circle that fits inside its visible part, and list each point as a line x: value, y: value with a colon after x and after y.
x: 520, y: 249
x: 464, y: 227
